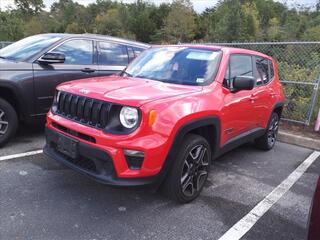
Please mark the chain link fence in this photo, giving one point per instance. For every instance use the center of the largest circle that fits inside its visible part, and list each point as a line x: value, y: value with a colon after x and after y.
x: 3, y: 44
x: 299, y: 72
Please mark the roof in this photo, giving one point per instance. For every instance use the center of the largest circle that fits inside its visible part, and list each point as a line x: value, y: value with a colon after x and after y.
x: 99, y: 37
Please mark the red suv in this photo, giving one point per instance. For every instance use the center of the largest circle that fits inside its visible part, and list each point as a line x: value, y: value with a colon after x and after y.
x: 163, y: 119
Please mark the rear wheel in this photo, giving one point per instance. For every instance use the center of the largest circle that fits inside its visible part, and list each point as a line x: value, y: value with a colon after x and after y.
x: 268, y: 140
x: 190, y: 170
x: 8, y: 121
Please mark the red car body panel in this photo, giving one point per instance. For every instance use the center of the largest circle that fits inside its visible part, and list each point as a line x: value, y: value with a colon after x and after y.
x: 175, y: 105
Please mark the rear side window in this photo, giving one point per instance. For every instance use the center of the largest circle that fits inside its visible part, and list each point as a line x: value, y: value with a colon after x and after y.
x: 262, y: 66
x: 265, y: 71
x: 137, y: 51
x: 112, y: 54
x: 133, y: 52
x: 271, y: 69
x: 239, y: 65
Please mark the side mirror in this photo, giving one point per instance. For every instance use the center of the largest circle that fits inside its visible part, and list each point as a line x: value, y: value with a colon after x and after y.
x: 243, y: 83
x: 52, y: 57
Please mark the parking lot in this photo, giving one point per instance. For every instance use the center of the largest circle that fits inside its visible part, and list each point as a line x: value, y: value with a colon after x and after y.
x: 40, y: 199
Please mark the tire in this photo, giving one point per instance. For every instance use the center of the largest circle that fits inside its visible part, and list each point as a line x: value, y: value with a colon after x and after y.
x: 268, y: 140
x: 8, y: 122
x: 189, y: 170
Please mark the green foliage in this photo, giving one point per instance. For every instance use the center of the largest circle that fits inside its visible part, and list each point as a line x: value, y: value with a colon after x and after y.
x: 29, y: 7
x: 180, y: 23
x: 228, y: 21
x: 11, y: 27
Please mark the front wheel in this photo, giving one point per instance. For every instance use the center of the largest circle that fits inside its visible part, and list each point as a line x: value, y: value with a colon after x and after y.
x: 8, y: 121
x: 268, y: 140
x: 190, y: 169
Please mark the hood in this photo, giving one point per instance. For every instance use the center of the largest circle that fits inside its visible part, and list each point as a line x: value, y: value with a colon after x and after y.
x: 7, y: 65
x: 126, y: 90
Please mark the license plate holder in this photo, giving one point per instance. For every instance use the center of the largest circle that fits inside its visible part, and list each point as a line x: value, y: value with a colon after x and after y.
x: 67, y: 146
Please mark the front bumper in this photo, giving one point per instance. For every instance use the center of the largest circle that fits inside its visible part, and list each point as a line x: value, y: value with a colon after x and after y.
x: 93, y: 162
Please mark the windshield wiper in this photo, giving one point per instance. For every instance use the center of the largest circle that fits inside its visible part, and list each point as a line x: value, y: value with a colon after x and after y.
x: 124, y: 72
x: 2, y: 57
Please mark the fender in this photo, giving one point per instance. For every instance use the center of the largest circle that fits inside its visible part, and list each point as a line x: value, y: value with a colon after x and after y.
x: 18, y: 96
x: 183, y: 130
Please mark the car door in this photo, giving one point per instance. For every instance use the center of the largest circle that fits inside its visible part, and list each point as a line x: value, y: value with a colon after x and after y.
x: 262, y: 98
x: 79, y: 63
x: 238, y: 114
x: 112, y: 58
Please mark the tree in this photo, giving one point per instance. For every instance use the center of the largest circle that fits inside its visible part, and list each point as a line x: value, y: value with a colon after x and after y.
x: 180, y: 23
x: 274, y: 31
x: 29, y: 7
x: 227, y: 21
x: 140, y: 22
x: 11, y: 27
x: 109, y: 23
x: 312, y: 34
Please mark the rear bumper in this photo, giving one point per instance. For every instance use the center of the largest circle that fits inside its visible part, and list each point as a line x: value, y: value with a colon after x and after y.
x: 93, y: 162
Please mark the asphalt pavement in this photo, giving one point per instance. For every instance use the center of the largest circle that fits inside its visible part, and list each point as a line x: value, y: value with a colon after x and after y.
x: 41, y: 199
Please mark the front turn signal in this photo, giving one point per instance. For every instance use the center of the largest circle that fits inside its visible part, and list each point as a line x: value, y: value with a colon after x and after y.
x: 152, y: 117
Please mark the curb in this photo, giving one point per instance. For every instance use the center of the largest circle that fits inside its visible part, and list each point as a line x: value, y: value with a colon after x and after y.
x: 299, y: 140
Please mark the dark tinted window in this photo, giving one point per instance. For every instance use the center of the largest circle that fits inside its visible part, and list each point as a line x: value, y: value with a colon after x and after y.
x: 271, y: 70
x: 77, y: 51
x: 131, y: 53
x: 112, y: 54
x: 262, y: 66
x: 240, y: 65
x: 137, y: 51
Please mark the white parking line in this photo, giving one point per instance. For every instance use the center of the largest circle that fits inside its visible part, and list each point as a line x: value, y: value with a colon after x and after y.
x: 247, y: 222
x: 8, y: 157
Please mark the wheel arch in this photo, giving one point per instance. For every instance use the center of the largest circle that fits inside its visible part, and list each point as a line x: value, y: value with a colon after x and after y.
x: 8, y: 94
x: 201, y: 126
x: 278, y: 108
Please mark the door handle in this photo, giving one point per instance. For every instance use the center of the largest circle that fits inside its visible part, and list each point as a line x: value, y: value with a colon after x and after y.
x: 88, y: 70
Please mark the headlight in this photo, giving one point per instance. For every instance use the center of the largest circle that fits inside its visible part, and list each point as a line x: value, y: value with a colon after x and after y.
x: 129, y: 117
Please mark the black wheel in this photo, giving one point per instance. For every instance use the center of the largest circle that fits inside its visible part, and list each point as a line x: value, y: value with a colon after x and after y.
x: 268, y: 140
x: 190, y: 170
x: 8, y: 121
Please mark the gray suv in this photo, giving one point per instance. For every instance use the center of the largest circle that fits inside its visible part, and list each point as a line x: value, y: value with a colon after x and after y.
x: 31, y: 68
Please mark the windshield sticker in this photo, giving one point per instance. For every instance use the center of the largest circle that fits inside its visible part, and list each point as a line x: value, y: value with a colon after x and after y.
x: 202, y: 55
x: 200, y: 80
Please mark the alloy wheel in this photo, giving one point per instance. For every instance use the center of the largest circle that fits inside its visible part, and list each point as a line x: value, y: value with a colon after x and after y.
x: 195, y: 170
x: 4, y: 124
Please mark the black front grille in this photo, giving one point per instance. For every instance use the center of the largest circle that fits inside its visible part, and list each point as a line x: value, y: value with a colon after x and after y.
x: 84, y: 110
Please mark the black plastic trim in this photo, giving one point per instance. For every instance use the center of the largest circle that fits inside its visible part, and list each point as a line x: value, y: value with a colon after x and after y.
x: 113, y: 124
x: 185, y: 129
x: 105, y: 175
x: 240, y: 140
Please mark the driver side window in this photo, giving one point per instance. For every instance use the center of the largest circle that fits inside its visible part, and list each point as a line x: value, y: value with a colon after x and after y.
x: 78, y: 51
x: 239, y: 65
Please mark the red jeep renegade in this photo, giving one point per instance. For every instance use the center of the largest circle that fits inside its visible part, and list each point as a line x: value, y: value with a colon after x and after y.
x: 165, y: 117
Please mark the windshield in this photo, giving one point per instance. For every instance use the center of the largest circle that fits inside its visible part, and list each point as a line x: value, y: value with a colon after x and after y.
x: 27, y: 47
x: 188, y: 66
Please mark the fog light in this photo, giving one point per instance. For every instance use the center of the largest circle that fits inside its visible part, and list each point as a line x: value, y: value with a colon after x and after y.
x: 134, y: 158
